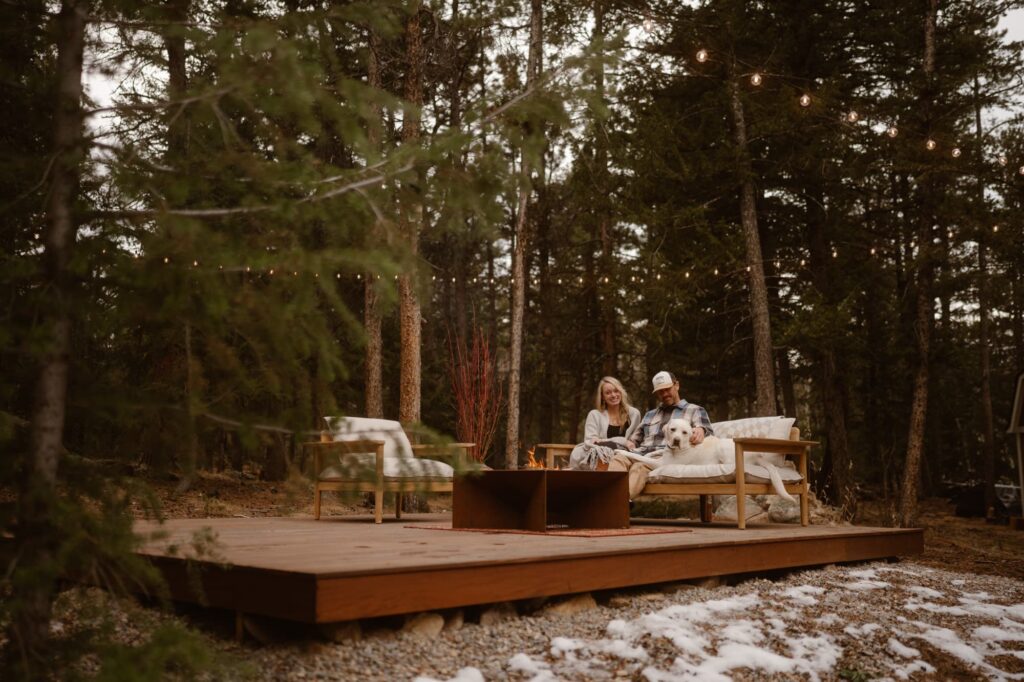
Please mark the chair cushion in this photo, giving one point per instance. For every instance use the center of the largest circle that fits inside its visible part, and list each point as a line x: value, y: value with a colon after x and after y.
x: 718, y: 473
x: 362, y: 466
x: 396, y: 443
x: 693, y: 473
x: 755, y: 427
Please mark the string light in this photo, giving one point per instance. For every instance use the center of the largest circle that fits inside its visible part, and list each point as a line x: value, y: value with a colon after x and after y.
x: 873, y: 251
x: 687, y: 274
x: 659, y: 276
x: 995, y: 228
x: 648, y: 24
x: 271, y: 271
x: 805, y: 100
x: 853, y: 117
x: 930, y: 145
x: 755, y: 79
x: 956, y: 152
x: 221, y: 268
x: 337, y: 276
x: 803, y: 262
x: 716, y: 272
x: 892, y: 131
x: 1003, y: 160
x: 249, y: 269
x: 1021, y: 170
x: 166, y: 260
x: 835, y: 254
x: 195, y: 264
x: 702, y: 56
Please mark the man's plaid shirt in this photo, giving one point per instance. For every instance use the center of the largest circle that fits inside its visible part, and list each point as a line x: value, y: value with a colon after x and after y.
x: 649, y: 433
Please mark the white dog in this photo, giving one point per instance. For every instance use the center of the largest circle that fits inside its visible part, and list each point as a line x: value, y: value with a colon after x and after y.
x: 711, y: 450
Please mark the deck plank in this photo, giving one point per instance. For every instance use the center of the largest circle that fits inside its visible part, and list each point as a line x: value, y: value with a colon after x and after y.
x: 347, y: 568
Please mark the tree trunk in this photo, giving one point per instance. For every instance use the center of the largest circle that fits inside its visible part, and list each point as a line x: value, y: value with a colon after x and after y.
x: 36, y: 534
x: 522, y: 240
x: 408, y: 298
x: 764, y: 374
x: 606, y: 303
x: 988, y: 453
x: 373, y: 373
x: 923, y: 300
x: 835, y: 478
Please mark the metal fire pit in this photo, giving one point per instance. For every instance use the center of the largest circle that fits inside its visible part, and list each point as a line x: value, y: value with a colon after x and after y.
x: 539, y: 499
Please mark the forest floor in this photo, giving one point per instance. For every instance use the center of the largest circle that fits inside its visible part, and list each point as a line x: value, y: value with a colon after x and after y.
x: 954, y: 612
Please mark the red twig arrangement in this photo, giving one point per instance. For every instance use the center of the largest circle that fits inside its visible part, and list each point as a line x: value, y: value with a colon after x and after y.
x: 476, y: 391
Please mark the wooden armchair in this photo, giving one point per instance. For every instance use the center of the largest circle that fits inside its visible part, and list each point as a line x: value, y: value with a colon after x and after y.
x: 362, y: 467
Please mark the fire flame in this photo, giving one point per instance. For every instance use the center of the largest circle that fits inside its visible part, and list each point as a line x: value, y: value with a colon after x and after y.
x: 533, y: 463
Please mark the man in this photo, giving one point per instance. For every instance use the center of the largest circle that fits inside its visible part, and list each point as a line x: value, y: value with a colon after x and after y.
x: 649, y: 436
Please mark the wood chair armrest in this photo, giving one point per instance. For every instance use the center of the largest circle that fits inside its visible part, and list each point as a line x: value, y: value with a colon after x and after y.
x: 796, y: 448
x: 343, y: 447
x: 552, y: 450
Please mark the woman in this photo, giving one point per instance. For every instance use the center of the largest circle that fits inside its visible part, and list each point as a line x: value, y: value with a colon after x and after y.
x: 612, y: 418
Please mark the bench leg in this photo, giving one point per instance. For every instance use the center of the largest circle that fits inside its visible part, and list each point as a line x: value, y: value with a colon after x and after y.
x: 316, y: 503
x: 805, y: 517
x: 398, y: 504
x: 741, y: 509
x: 378, y: 506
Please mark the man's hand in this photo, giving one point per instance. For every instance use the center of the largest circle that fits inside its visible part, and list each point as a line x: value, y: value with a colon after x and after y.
x: 697, y: 437
x: 630, y: 445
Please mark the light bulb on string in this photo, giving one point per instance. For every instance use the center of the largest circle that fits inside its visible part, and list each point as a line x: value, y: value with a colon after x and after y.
x: 955, y: 153
x: 687, y: 274
x: 659, y: 276
x: 803, y: 262
x: 702, y: 56
x: 358, y: 276
x: 648, y: 24
x: 805, y: 100
x: 1021, y: 170
x: 873, y: 251
x: 249, y: 269
x: 337, y: 276
x: 1003, y: 160
x: 892, y: 131
x: 166, y: 260
x: 853, y: 117
x: 995, y: 228
x: 748, y: 268
x: 755, y: 79
x: 716, y: 272
x: 221, y: 268
x: 195, y: 264
x: 930, y: 145
x: 271, y: 271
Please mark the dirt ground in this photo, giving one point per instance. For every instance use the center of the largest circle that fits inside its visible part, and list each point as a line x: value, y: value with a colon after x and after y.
x: 951, y: 542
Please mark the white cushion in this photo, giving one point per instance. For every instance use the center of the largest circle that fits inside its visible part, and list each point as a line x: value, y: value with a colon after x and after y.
x: 718, y: 473
x: 754, y: 427
x: 399, y: 462
x: 396, y: 443
x: 758, y: 427
x: 758, y: 474
x: 693, y: 473
x: 363, y: 466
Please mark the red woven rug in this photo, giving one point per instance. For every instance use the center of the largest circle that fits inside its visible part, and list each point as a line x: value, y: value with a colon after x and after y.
x: 564, y: 532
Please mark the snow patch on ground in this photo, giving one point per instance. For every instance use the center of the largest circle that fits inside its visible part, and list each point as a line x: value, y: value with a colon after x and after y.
x: 807, y: 627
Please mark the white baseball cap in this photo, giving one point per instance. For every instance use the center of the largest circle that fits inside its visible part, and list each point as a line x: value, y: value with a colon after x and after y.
x: 662, y: 380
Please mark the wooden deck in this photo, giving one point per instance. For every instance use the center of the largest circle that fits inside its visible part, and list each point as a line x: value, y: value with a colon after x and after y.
x: 347, y: 568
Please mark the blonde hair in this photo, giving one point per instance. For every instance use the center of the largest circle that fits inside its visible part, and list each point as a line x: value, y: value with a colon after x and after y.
x: 599, y: 398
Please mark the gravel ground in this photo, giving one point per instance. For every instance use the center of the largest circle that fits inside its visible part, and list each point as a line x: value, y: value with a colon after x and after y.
x: 894, y: 621
x: 869, y: 621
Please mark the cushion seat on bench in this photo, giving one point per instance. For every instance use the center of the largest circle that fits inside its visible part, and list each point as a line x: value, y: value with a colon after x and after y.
x: 719, y: 473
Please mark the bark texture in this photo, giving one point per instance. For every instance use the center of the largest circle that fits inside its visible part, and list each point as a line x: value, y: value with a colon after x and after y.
x: 36, y: 534
x: 923, y: 315
x: 373, y: 376
x: 522, y: 240
x: 764, y: 375
x: 410, y: 317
